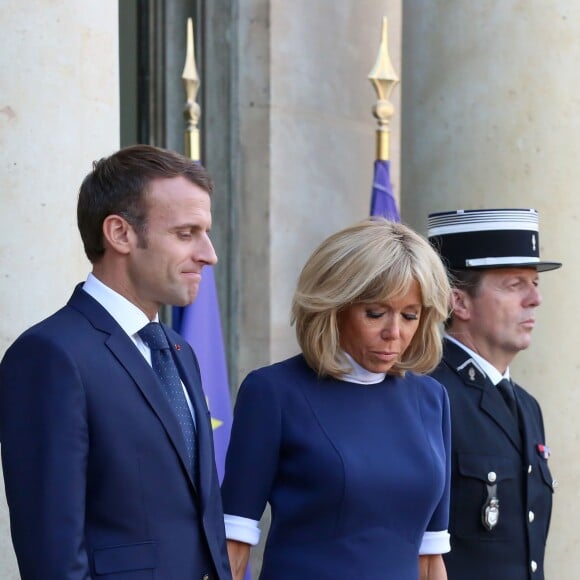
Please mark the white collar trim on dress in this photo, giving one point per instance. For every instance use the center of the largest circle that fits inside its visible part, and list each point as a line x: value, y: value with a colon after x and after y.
x: 360, y: 375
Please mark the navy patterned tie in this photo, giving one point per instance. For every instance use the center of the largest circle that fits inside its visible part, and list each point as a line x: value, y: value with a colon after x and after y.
x: 506, y: 390
x: 165, y: 369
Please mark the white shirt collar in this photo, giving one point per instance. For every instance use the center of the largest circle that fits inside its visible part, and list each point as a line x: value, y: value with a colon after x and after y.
x: 360, y: 375
x: 128, y: 316
x: 492, y: 373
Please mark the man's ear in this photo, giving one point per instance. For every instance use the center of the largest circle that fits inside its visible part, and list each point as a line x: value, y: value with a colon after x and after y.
x: 461, y: 304
x: 118, y: 234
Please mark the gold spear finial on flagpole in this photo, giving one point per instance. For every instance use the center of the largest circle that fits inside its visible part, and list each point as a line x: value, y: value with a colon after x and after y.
x: 191, y: 110
x: 384, y: 79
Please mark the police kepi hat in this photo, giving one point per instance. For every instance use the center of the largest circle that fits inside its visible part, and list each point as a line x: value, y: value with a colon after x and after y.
x: 488, y: 238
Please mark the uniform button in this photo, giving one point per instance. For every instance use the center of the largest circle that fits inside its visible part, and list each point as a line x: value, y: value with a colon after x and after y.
x: 531, y: 516
x: 555, y: 483
x: 491, y: 476
x: 529, y: 468
x: 205, y: 577
x: 533, y: 566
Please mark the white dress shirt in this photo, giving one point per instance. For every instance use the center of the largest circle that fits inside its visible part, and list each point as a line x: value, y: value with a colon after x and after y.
x: 128, y: 316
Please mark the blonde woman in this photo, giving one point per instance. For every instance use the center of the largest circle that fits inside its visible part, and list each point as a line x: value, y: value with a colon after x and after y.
x: 348, y: 444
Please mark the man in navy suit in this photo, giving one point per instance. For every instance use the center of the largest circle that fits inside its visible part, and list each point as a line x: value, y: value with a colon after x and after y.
x: 101, y: 479
x: 501, y: 487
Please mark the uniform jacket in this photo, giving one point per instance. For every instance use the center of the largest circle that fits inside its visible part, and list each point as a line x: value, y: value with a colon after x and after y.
x: 94, y: 460
x: 488, y: 448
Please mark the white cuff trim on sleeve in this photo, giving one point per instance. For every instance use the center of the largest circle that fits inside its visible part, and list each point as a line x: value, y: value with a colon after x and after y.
x: 242, y: 529
x: 435, y: 543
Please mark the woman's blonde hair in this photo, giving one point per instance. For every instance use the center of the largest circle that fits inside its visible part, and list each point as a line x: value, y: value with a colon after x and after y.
x: 373, y: 261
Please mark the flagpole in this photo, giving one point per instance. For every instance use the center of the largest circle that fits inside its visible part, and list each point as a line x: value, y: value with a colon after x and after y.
x: 200, y: 322
x: 384, y: 79
x: 191, y: 110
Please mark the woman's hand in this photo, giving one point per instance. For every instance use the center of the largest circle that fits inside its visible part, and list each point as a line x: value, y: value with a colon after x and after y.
x: 239, y: 554
x: 431, y: 567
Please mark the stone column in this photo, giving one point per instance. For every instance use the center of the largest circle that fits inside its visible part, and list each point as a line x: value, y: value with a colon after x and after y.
x: 491, y: 118
x: 307, y: 146
x: 59, y: 111
x: 306, y: 149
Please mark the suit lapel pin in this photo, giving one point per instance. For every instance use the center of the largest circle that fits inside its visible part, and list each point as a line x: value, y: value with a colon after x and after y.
x: 543, y: 450
x: 471, y: 373
x: 177, y: 347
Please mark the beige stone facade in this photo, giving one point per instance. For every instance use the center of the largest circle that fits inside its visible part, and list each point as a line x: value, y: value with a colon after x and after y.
x: 487, y: 115
x: 491, y: 118
x: 59, y: 110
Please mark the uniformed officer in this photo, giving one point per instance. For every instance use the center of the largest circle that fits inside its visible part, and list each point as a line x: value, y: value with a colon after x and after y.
x: 501, y: 491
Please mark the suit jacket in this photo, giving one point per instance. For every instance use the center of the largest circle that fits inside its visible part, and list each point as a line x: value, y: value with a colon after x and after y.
x: 94, y: 460
x: 489, y: 448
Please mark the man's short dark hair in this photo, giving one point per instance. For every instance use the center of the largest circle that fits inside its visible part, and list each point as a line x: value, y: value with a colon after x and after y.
x: 467, y: 280
x: 117, y: 186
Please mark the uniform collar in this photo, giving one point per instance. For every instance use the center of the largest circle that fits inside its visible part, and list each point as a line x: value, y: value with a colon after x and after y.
x: 483, y: 365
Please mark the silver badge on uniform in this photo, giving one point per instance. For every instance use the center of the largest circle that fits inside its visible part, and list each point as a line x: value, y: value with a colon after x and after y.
x: 490, y: 509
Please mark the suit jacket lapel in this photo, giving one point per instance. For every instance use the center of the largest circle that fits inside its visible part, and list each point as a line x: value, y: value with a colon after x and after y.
x: 491, y: 401
x: 125, y: 351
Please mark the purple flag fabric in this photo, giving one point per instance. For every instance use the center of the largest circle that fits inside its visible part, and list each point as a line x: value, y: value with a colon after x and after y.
x: 200, y: 324
x: 383, y: 201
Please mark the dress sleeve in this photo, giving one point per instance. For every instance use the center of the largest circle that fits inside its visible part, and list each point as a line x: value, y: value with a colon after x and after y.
x: 435, y: 543
x: 254, y: 449
x: 440, y: 519
x: 242, y: 529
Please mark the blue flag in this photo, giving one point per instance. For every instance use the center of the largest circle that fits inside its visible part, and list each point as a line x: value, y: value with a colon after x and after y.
x: 200, y: 324
x: 383, y: 201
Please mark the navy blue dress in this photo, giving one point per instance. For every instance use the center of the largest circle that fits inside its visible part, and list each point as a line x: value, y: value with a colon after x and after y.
x: 355, y: 474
